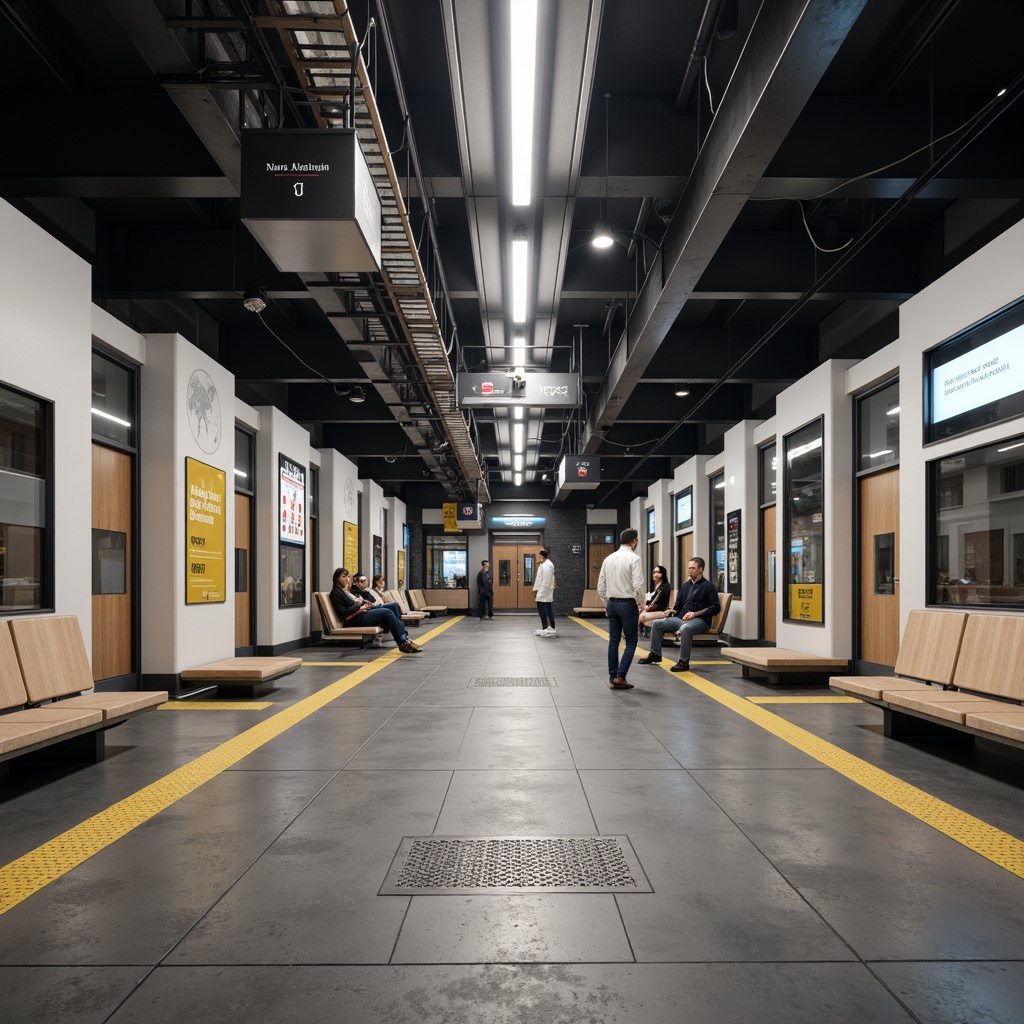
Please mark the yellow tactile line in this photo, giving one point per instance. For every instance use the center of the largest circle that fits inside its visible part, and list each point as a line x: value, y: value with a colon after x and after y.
x: 989, y: 842
x: 31, y: 872
x: 802, y: 700
x: 215, y: 705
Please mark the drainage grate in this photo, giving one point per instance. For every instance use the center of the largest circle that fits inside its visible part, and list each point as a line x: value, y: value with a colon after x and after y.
x: 512, y: 681
x: 450, y: 865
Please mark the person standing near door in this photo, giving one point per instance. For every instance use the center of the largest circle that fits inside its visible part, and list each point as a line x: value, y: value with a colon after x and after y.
x: 621, y: 589
x: 485, y: 590
x: 544, y: 588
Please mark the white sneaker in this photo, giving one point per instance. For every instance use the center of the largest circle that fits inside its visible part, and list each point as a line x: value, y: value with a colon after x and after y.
x: 540, y: 632
x: 547, y: 632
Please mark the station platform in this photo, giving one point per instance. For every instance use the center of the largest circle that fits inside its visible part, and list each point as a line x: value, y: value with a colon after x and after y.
x: 486, y: 832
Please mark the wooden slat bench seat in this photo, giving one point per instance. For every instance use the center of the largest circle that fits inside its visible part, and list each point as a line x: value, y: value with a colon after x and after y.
x: 242, y: 676
x: 48, y: 715
x: 981, y: 659
x: 419, y: 604
x: 409, y: 617
x: 334, y: 630
x: 778, y: 661
x: 590, y: 605
x: 711, y: 637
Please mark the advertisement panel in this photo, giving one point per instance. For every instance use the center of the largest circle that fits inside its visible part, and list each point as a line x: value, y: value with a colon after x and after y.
x: 351, y: 547
x: 205, y: 534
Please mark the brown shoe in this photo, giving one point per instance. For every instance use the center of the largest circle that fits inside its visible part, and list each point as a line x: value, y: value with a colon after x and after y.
x: 410, y: 648
x: 618, y: 683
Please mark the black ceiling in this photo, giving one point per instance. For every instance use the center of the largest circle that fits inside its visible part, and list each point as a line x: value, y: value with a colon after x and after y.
x: 782, y: 175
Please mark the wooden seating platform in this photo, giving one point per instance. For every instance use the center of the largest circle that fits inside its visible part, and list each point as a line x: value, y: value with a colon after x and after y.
x: 48, y: 712
x: 969, y: 681
x: 774, y: 662
x: 419, y: 604
x: 241, y: 676
x: 590, y: 605
x: 334, y: 630
x: 409, y: 617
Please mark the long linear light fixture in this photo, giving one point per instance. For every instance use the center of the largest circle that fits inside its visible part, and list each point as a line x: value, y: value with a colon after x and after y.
x: 519, y: 276
x: 523, y: 40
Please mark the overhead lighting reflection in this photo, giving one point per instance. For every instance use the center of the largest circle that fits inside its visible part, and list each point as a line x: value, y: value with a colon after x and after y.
x: 519, y: 258
x: 517, y: 479
x: 878, y: 455
x: 517, y: 438
x: 523, y: 53
x: 1010, y: 447
x: 108, y: 416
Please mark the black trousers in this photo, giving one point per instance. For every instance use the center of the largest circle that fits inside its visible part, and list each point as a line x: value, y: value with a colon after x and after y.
x: 487, y: 606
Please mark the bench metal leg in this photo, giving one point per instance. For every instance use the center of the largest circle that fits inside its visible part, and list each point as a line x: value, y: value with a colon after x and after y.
x: 900, y: 726
x: 85, y: 749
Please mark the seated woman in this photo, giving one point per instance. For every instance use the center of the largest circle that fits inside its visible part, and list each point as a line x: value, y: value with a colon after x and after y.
x: 379, y: 586
x: 354, y: 611
x: 661, y: 590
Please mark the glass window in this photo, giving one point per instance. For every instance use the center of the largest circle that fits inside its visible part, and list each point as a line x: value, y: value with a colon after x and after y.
x: 244, y: 480
x: 717, y: 499
x: 769, y: 462
x: 113, y: 401
x: 446, y: 561
x: 650, y: 523
x: 26, y: 574
x: 108, y: 562
x: 684, y: 509
x: 805, y: 523
x: 976, y: 510
x: 878, y: 428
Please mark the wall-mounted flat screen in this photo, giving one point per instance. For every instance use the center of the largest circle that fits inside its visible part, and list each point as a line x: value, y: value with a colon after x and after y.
x: 976, y: 377
x: 684, y: 509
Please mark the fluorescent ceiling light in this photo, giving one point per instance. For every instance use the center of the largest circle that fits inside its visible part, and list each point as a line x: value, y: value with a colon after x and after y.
x: 517, y: 479
x: 523, y: 40
x: 1010, y: 447
x: 517, y: 438
x: 519, y: 254
x: 518, y: 350
x: 517, y: 463
x: 517, y: 412
x: 113, y: 419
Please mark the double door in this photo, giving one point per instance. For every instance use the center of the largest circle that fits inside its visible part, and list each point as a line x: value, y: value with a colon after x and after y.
x: 514, y: 567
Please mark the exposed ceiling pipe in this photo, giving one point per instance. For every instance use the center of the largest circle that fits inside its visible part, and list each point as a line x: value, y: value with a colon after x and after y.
x: 701, y: 42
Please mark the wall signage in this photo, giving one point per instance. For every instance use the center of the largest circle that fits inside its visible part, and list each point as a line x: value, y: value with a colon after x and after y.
x: 205, y: 534
x: 495, y: 390
x: 293, y: 501
x: 518, y: 521
x: 733, y: 547
x: 579, y: 473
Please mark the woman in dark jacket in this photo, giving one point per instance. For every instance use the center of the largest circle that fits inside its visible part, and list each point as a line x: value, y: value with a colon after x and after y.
x: 661, y: 590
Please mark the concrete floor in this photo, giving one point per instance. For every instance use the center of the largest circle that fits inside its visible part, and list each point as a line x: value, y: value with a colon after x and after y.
x: 784, y: 890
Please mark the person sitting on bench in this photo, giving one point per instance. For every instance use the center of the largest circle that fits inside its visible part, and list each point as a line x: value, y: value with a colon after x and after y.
x: 696, y: 605
x: 354, y: 611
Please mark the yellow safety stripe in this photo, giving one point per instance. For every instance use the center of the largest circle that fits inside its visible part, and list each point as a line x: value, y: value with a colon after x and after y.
x: 31, y: 872
x: 987, y: 841
x: 215, y: 705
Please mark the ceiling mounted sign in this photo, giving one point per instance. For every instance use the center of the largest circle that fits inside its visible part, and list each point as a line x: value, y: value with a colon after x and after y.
x: 309, y: 200
x: 501, y: 389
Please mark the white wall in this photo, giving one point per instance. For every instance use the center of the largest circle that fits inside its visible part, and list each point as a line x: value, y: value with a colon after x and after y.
x: 741, y: 469
x: 45, y: 349
x: 277, y: 627
x: 176, y: 636
x: 339, y: 503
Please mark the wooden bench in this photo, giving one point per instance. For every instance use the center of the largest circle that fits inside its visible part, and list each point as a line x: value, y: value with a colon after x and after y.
x: 712, y: 636
x: 245, y: 677
x: 409, y: 617
x: 48, y: 715
x: 986, y: 697
x: 419, y: 604
x: 334, y: 630
x: 590, y: 605
x: 774, y: 662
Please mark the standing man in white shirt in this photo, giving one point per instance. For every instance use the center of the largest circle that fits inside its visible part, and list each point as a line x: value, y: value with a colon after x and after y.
x: 621, y: 588
x: 544, y: 588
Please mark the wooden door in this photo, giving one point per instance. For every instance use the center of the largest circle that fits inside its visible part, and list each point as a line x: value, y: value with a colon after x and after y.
x: 654, y: 549
x: 685, y: 554
x: 769, y: 574
x: 513, y: 567
x: 112, y: 563
x: 596, y: 555
x: 879, y: 567
x: 243, y: 572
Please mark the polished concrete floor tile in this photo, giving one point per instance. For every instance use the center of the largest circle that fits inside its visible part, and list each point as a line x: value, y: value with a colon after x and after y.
x: 65, y: 995
x: 514, y: 738
x: 612, y: 737
x: 416, y: 737
x: 552, y: 928
x: 516, y: 994
x: 515, y: 802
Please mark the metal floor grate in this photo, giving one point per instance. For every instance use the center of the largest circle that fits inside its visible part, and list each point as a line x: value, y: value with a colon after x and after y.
x: 512, y: 681
x: 455, y: 865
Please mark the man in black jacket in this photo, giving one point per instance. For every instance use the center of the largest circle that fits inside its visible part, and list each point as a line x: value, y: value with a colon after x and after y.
x: 354, y: 611
x: 696, y: 605
x: 485, y: 590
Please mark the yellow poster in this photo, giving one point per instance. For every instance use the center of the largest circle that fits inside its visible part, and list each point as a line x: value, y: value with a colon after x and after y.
x: 451, y: 517
x: 401, y: 570
x: 205, y: 534
x: 805, y: 601
x: 351, y: 548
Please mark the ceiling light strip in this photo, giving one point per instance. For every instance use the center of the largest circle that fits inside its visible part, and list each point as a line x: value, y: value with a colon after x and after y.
x: 523, y: 63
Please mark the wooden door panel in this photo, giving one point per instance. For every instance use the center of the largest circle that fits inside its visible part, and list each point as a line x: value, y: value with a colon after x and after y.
x: 769, y: 573
x: 880, y: 567
x: 598, y: 553
x: 112, y: 513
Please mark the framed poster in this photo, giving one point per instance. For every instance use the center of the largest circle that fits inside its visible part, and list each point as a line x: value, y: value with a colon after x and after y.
x: 401, y: 570
x: 291, y: 506
x: 733, y: 574
x: 804, y: 523
x: 378, y: 556
x: 350, y: 547
x: 205, y: 534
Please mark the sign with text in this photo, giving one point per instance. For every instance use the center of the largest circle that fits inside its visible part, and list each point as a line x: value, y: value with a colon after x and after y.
x: 500, y: 389
x: 350, y: 547
x: 733, y: 574
x: 805, y: 600
x: 469, y: 515
x: 205, y: 534
x: 450, y: 510
x: 579, y: 473
x: 292, y: 506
